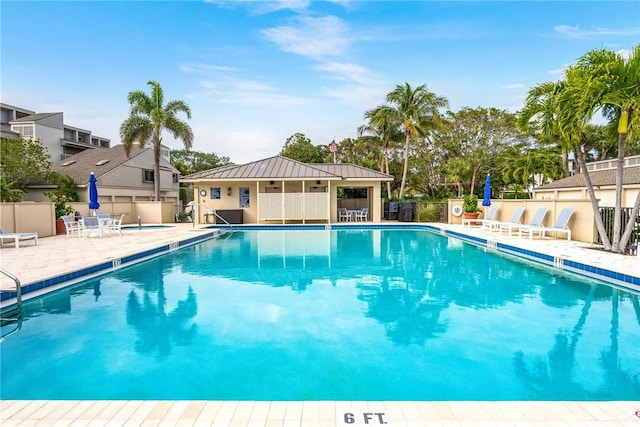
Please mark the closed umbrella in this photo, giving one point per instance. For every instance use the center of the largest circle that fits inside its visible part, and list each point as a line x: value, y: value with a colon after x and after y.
x: 486, y: 200
x: 93, y: 194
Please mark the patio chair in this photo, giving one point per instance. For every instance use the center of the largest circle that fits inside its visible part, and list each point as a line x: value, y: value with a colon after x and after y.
x: 560, y: 226
x: 343, y: 215
x: 536, y: 221
x: 515, y: 219
x: 103, y: 217
x: 91, y: 226
x: 362, y: 214
x: 71, y: 226
x: 490, y: 217
x: 17, y: 237
x: 115, y: 225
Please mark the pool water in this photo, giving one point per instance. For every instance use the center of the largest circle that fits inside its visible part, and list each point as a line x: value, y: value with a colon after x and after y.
x: 328, y: 315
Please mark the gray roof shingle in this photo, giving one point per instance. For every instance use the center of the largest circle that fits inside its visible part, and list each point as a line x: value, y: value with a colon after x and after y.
x: 631, y: 175
x: 86, y: 162
x: 34, y: 117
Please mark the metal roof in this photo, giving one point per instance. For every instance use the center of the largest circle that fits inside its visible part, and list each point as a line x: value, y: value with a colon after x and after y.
x: 607, y: 177
x: 279, y: 167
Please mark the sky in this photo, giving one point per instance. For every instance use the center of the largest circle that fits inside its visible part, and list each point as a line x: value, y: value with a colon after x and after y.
x: 256, y: 73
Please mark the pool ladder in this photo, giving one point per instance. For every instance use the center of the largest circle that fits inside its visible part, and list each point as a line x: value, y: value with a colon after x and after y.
x: 15, y: 313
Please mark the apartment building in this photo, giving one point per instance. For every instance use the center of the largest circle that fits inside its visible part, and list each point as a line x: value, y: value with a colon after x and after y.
x: 60, y: 140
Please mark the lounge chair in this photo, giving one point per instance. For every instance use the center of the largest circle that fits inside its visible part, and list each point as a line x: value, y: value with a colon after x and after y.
x: 91, y: 226
x: 71, y: 226
x: 560, y: 226
x: 490, y: 217
x: 515, y: 219
x: 536, y: 221
x: 17, y: 237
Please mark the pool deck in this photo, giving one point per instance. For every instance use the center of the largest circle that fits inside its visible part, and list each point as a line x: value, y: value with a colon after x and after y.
x: 55, y: 256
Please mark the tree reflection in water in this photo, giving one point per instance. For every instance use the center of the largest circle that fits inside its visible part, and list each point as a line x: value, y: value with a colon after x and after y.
x: 156, y: 328
x: 555, y: 376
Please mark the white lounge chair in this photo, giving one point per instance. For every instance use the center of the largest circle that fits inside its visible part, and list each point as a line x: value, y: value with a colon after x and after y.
x: 490, y: 217
x: 17, y: 237
x: 560, y: 226
x: 71, y: 226
x: 515, y: 219
x: 536, y: 221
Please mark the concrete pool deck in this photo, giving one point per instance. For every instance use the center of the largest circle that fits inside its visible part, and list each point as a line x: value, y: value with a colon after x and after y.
x: 55, y: 256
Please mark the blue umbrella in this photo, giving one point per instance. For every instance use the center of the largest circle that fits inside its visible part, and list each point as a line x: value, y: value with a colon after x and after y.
x: 93, y: 193
x: 486, y: 201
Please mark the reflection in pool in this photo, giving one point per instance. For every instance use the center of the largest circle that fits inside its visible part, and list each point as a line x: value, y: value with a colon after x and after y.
x: 329, y: 315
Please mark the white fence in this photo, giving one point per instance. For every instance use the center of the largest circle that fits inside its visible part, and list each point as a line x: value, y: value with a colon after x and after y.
x: 293, y: 206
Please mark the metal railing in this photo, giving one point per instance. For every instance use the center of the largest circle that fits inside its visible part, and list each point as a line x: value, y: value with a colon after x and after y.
x: 608, y: 215
x: 15, y: 311
x: 211, y: 212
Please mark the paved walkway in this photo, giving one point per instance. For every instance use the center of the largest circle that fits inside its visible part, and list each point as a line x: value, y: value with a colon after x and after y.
x: 57, y: 255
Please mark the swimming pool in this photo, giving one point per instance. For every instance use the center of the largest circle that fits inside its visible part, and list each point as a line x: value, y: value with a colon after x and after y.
x: 339, y: 315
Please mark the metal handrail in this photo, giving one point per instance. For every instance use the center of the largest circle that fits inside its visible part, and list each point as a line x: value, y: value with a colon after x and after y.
x: 213, y: 211
x: 18, y: 319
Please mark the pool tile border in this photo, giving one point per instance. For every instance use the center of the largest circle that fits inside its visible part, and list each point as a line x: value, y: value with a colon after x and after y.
x: 107, y: 266
x: 611, y: 277
x: 560, y: 263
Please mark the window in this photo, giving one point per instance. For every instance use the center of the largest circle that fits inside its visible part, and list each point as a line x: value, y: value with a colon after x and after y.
x: 24, y: 131
x: 175, y: 177
x: 147, y: 175
x: 214, y: 192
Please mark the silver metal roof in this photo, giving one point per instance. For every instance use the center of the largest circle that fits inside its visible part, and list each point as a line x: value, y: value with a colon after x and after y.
x: 279, y: 167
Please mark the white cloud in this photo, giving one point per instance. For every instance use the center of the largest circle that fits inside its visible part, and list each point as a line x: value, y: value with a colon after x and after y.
x: 311, y: 37
x: 346, y: 72
x: 557, y: 71
x: 577, y: 32
x: 513, y: 86
x: 625, y: 53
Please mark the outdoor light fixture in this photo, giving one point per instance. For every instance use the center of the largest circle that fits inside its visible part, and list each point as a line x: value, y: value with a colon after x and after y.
x: 229, y: 191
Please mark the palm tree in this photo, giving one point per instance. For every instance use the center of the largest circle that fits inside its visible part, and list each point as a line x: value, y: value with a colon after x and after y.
x: 541, y: 103
x: 148, y: 118
x: 418, y: 110
x: 611, y: 83
x: 383, y: 122
x: 601, y: 80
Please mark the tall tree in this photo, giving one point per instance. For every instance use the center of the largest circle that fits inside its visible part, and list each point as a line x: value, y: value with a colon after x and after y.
x: 22, y: 161
x: 148, y: 118
x: 188, y: 162
x: 418, y: 110
x: 299, y: 147
x: 611, y: 83
x: 601, y: 80
x: 383, y: 123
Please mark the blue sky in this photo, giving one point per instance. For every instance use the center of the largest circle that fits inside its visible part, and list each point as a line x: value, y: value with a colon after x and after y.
x: 255, y: 73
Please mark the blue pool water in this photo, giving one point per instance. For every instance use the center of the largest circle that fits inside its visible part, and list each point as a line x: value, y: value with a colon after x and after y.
x: 339, y: 315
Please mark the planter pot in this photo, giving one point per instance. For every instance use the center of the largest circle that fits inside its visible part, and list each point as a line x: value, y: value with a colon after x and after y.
x: 473, y: 215
x: 60, y: 228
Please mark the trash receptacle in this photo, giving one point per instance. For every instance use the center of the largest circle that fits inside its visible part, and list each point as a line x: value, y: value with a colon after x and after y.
x: 393, y: 211
x: 405, y: 212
